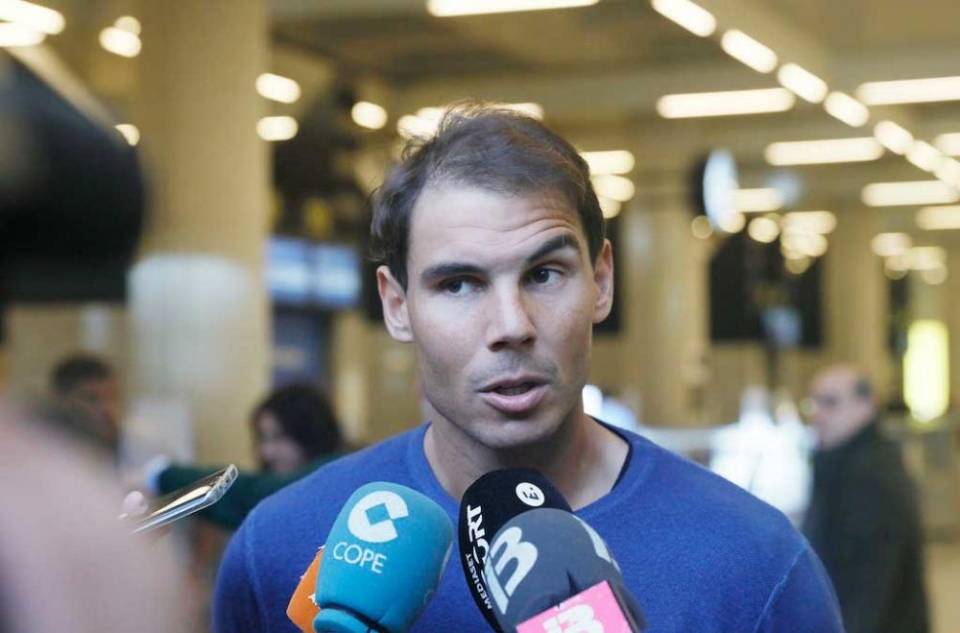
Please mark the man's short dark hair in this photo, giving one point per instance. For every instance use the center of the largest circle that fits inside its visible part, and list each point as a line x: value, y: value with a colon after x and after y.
x: 76, y: 370
x: 490, y: 148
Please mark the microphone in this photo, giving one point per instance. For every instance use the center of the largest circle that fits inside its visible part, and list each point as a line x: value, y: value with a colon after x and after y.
x: 382, y: 561
x: 487, y: 505
x: 302, y: 608
x: 547, y: 571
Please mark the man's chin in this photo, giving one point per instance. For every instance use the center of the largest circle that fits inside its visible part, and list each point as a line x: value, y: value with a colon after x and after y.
x: 513, y: 434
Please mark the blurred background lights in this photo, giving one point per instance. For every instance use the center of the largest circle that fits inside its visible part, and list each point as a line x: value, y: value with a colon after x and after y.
x: 763, y: 229
x: 14, y: 34
x: 277, y: 128
x: 802, y: 83
x: 689, y: 15
x: 278, y: 88
x: 130, y: 132
x: 749, y: 51
x: 926, y: 369
x: 33, y: 16
x: 449, y: 8
x: 368, y: 115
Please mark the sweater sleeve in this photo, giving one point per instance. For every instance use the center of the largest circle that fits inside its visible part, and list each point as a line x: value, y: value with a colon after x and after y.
x: 803, y: 602
x: 236, y: 606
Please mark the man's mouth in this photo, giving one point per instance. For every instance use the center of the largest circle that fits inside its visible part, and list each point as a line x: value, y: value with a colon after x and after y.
x: 515, y: 396
x: 515, y: 390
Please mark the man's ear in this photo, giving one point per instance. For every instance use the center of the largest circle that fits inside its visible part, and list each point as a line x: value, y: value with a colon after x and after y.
x: 394, y: 300
x: 603, y: 277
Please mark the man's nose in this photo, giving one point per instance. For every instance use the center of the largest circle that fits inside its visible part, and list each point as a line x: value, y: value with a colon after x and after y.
x: 510, y: 324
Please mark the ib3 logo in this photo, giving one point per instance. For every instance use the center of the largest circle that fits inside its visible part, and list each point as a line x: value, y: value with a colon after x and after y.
x: 371, y: 520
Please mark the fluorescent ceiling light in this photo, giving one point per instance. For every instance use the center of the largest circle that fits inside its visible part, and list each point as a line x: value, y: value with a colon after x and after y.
x: 120, y: 42
x: 277, y: 128
x: 368, y: 115
x: 613, y: 187
x: 845, y: 108
x: 949, y: 171
x: 822, y: 222
x: 939, y: 218
x: 534, y: 110
x: 278, y: 88
x: 732, y: 223
x: 949, y: 144
x: 128, y: 23
x: 610, y: 207
x: 763, y: 229
x: 129, y: 132
x: 893, y: 137
x: 924, y: 155
x: 687, y: 14
x: 450, y: 8
x: 891, y: 244
x: 892, y: 194
x: 927, y: 257
x: 802, y: 82
x: 755, y: 200
x: 804, y: 243
x: 910, y: 91
x: 745, y: 49
x: 838, y: 150
x: 32, y: 15
x: 733, y: 102
x: 618, y: 161
x: 14, y: 34
x: 425, y: 122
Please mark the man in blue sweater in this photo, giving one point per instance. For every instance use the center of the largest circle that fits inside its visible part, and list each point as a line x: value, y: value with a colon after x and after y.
x: 495, y: 268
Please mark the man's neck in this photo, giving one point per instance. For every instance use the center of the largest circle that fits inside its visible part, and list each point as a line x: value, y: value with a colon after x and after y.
x: 582, y: 459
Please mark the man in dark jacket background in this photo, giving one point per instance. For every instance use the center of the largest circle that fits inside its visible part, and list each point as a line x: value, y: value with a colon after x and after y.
x: 863, y: 519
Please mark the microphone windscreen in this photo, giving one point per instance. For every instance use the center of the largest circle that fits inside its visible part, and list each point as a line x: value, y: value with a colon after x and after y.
x: 383, y: 559
x: 543, y: 557
x: 302, y: 608
x: 486, y: 506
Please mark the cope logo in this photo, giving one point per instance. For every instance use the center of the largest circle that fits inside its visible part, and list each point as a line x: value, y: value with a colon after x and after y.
x: 371, y: 520
x: 368, y: 525
x: 530, y: 494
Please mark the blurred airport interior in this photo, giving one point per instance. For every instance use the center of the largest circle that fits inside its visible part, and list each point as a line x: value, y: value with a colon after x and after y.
x: 184, y: 193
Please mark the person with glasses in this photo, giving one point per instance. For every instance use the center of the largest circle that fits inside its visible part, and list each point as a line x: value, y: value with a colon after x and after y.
x: 863, y: 520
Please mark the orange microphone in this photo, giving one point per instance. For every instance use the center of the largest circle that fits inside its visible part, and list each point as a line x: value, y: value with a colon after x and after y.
x: 302, y: 608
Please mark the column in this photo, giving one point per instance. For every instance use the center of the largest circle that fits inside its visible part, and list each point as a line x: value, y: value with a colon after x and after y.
x: 198, y: 305
x: 665, y: 315
x: 855, y: 298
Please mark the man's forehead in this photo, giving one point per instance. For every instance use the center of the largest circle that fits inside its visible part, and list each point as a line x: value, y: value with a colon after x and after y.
x: 458, y: 216
x: 834, y: 381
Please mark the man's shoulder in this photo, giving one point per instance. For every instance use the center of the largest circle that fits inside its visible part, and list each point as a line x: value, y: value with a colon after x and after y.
x: 681, y: 488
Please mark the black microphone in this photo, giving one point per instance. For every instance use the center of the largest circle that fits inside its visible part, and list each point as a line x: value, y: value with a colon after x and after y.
x: 487, y: 505
x: 547, y: 567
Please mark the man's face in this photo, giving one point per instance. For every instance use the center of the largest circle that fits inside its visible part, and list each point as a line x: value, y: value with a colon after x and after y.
x: 100, y: 400
x: 838, y: 410
x: 500, y: 302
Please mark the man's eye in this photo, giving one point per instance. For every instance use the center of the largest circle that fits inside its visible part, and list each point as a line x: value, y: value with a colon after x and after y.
x: 455, y: 287
x: 544, y: 275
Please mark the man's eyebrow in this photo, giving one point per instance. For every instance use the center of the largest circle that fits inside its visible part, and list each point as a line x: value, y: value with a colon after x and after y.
x: 566, y: 240
x: 443, y: 271
x: 456, y: 269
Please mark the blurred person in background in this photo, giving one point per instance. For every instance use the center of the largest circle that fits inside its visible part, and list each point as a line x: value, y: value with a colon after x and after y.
x: 67, y: 564
x: 295, y: 431
x: 863, y: 520
x: 88, y: 385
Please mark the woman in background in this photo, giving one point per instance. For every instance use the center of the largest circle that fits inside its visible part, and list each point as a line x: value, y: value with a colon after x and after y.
x: 295, y: 431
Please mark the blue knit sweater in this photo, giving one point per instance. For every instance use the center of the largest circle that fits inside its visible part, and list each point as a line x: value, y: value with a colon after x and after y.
x: 698, y: 553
